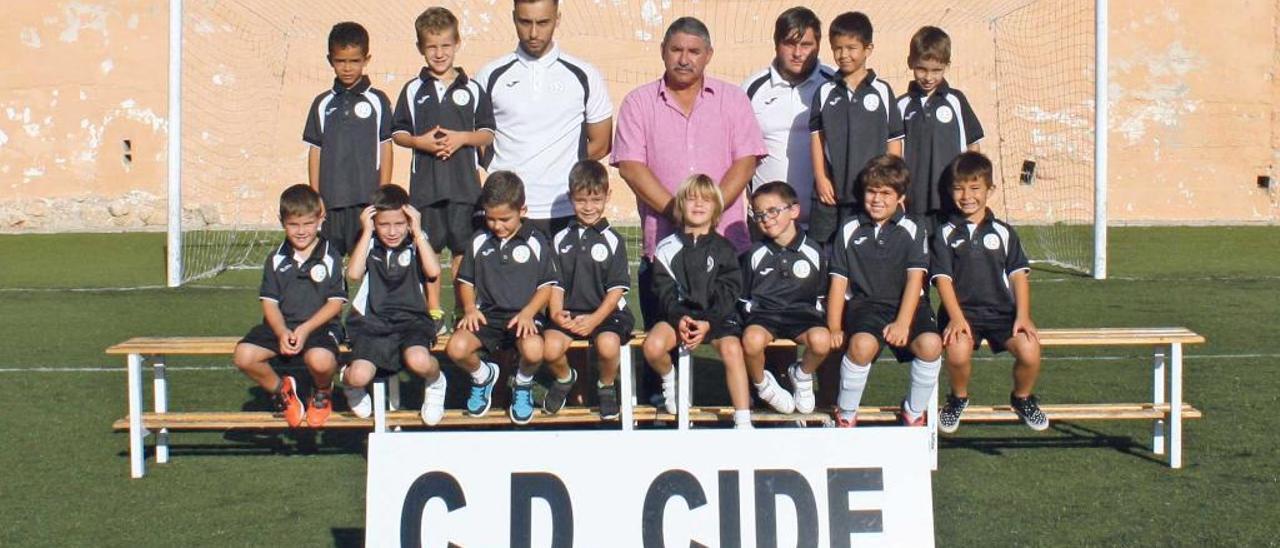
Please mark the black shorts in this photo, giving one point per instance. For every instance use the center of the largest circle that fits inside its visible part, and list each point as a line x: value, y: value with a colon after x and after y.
x: 494, y: 335
x: 996, y: 331
x: 326, y: 337
x: 649, y: 310
x: 621, y: 322
x: 385, y: 346
x: 450, y: 225
x: 871, y: 318
x: 825, y: 220
x: 785, y: 327
x: 342, y: 228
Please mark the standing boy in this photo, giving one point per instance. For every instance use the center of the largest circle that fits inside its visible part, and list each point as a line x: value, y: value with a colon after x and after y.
x: 878, y: 266
x: 784, y: 283
x: 389, y: 324
x: 349, y: 130
x: 938, y: 121
x: 445, y: 118
x: 505, y: 281
x: 302, y: 294
x: 590, y: 301
x: 981, y: 275
x: 854, y: 118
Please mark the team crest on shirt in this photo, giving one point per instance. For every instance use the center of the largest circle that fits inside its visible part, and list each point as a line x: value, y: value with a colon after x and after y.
x: 319, y: 273
x: 991, y: 241
x: 801, y: 269
x: 363, y: 110
x: 944, y: 114
x: 460, y: 97
x: 520, y: 254
x: 404, y: 258
x: 599, y: 253
x: 711, y: 264
x: 871, y: 102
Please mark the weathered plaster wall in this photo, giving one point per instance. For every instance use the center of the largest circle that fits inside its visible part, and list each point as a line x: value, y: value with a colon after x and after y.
x: 1195, y: 113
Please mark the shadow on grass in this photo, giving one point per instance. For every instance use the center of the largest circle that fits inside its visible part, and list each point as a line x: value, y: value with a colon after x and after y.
x: 1071, y: 435
x: 348, y: 537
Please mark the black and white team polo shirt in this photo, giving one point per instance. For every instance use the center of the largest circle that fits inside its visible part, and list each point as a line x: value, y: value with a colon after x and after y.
x: 875, y: 259
x: 506, y: 273
x: 349, y: 127
x: 979, y: 258
x: 591, y: 261
x: 426, y: 102
x: 392, y: 288
x: 541, y: 107
x: 787, y: 282
x: 939, y: 127
x: 301, y: 288
x: 782, y: 110
x: 858, y: 124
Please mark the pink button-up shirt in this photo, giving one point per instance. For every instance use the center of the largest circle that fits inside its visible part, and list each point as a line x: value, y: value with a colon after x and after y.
x: 721, y: 128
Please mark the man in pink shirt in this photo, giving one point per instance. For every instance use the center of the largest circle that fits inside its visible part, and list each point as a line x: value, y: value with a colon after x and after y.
x: 678, y: 125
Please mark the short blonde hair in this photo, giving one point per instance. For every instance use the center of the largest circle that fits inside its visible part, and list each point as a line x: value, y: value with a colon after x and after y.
x: 699, y: 184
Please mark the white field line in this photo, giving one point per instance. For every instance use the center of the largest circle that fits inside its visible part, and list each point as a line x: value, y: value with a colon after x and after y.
x: 228, y: 367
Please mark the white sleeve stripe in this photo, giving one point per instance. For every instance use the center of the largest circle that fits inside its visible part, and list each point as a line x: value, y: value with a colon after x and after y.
x: 550, y: 283
x: 838, y: 275
x: 460, y: 280
x: 624, y: 288
x: 272, y: 299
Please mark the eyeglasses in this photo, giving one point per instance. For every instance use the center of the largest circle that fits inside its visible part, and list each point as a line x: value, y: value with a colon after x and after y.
x: 770, y: 213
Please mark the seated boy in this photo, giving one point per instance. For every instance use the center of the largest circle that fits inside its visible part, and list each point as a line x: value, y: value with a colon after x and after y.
x: 590, y: 301
x: 302, y: 294
x: 878, y: 266
x: 349, y: 130
x: 981, y: 275
x: 785, y: 281
x: 389, y: 324
x: 937, y: 119
x: 698, y: 282
x: 506, y: 278
x: 444, y: 118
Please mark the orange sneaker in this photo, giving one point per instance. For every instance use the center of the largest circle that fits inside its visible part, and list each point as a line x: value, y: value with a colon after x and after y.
x: 287, y: 402
x: 319, y: 407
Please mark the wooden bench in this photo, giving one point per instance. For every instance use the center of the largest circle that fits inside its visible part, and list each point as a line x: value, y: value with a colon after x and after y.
x: 1166, y: 409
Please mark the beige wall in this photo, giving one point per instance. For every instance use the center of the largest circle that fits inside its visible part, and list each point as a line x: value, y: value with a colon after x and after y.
x: 1194, y: 101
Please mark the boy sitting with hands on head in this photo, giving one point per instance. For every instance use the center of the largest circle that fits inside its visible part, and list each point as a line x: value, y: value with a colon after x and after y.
x: 590, y: 302
x: 302, y: 294
x: 506, y: 280
x: 389, y: 323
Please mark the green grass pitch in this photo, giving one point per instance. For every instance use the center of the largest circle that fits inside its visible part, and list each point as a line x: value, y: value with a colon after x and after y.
x: 65, y: 479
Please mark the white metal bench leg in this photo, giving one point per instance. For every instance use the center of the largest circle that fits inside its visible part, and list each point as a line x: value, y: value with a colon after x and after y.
x: 1175, y: 401
x: 379, y: 406
x: 137, y: 456
x: 684, y: 388
x: 160, y: 385
x: 626, y: 392
x: 1157, y: 384
x: 393, y: 392
x: 932, y: 425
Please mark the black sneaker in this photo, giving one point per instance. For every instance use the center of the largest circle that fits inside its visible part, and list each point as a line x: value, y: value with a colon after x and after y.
x: 1028, y: 409
x: 608, y: 397
x: 949, y: 415
x: 557, y: 393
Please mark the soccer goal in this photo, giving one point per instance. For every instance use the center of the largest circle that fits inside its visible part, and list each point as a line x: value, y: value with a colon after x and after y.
x: 242, y: 75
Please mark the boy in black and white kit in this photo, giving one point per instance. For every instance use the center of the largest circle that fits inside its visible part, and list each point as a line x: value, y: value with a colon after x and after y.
x: 878, y: 266
x: 938, y: 121
x: 444, y: 118
x: 349, y: 130
x: 389, y: 324
x: 981, y: 274
x: 589, y: 303
x: 506, y: 280
x: 302, y: 294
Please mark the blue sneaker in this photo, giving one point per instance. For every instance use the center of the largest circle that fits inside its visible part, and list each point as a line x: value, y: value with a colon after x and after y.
x: 521, y: 411
x: 482, y: 394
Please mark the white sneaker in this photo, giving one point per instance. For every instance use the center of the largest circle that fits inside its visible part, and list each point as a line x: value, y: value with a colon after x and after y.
x: 669, y: 396
x: 804, y: 397
x: 433, y: 401
x: 773, y: 394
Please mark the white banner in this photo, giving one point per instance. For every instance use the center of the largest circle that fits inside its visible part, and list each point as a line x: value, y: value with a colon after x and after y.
x: 768, y: 487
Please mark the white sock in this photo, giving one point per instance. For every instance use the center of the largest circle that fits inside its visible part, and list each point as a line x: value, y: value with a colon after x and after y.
x: 481, y: 375
x: 853, y: 380
x: 800, y: 375
x: 742, y: 416
x: 669, y: 377
x: 522, y: 379
x: 762, y: 384
x: 924, y: 376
